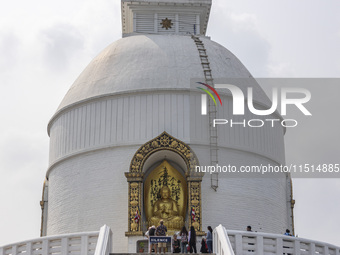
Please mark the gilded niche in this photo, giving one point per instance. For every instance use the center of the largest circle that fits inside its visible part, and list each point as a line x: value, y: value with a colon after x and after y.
x: 164, y: 141
x: 165, y: 197
x: 185, y: 191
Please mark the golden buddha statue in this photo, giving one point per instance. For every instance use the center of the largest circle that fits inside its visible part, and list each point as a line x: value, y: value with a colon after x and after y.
x: 167, y: 209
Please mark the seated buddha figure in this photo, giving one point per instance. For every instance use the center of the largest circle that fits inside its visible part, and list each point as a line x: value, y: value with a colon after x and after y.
x: 167, y: 209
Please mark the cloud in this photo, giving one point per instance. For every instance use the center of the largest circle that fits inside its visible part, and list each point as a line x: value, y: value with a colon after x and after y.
x: 61, y: 43
x: 316, y: 210
x: 21, y: 151
x: 240, y: 34
x: 9, y: 50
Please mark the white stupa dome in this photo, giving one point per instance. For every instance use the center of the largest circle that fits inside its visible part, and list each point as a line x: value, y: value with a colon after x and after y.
x: 154, y: 62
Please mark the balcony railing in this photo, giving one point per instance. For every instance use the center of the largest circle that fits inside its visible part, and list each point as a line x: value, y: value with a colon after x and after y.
x: 256, y: 243
x: 86, y: 243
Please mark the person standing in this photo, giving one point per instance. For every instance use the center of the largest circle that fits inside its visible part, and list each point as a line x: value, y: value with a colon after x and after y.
x: 192, y: 239
x: 184, y: 239
x: 151, y: 232
x: 288, y: 233
x: 287, y: 247
x: 209, y: 239
x: 161, y: 231
x: 249, y: 230
x: 176, y: 245
x: 204, y: 246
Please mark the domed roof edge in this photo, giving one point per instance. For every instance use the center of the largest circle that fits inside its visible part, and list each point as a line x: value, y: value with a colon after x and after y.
x: 153, y: 62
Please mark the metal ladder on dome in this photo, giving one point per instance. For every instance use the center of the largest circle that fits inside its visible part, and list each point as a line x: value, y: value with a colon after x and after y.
x: 211, y: 109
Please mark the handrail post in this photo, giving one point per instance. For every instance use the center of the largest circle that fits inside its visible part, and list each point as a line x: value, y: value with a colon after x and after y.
x: 29, y: 248
x: 259, y: 245
x: 312, y: 249
x: 279, y: 246
x: 64, y: 245
x: 325, y: 250
x: 84, y: 244
x: 104, y: 243
x: 222, y: 245
x: 14, y: 250
x: 297, y: 249
x: 238, y: 244
x: 45, y: 249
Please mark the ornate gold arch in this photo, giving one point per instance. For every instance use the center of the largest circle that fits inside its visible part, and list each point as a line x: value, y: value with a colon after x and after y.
x: 135, y: 178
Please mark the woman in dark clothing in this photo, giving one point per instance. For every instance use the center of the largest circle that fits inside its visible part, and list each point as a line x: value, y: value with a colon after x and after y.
x: 176, y: 245
x: 204, y: 247
x: 209, y: 239
x: 192, y: 239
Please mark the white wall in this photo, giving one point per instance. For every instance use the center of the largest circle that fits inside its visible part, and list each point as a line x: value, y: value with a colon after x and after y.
x: 242, y: 201
x: 88, y: 191
x: 131, y: 119
x: 92, y: 145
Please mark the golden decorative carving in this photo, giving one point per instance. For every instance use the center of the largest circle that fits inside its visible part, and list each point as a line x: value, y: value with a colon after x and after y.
x: 195, y: 203
x: 166, y: 23
x: 196, y: 225
x: 134, y: 226
x: 191, y: 187
x: 135, y: 233
x: 134, y: 205
x: 164, y: 141
x: 134, y: 177
x: 165, y: 196
x: 134, y: 185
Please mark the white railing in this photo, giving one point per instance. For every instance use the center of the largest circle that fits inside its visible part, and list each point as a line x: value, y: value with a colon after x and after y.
x: 256, y: 243
x: 104, y: 241
x: 86, y: 243
x: 221, y: 243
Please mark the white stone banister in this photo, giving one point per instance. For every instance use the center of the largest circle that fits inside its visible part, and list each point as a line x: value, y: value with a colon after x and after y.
x: 221, y: 243
x: 104, y: 241
x: 257, y: 243
x: 85, y: 243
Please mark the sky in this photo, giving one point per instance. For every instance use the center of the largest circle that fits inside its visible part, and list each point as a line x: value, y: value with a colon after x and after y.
x: 44, y: 45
